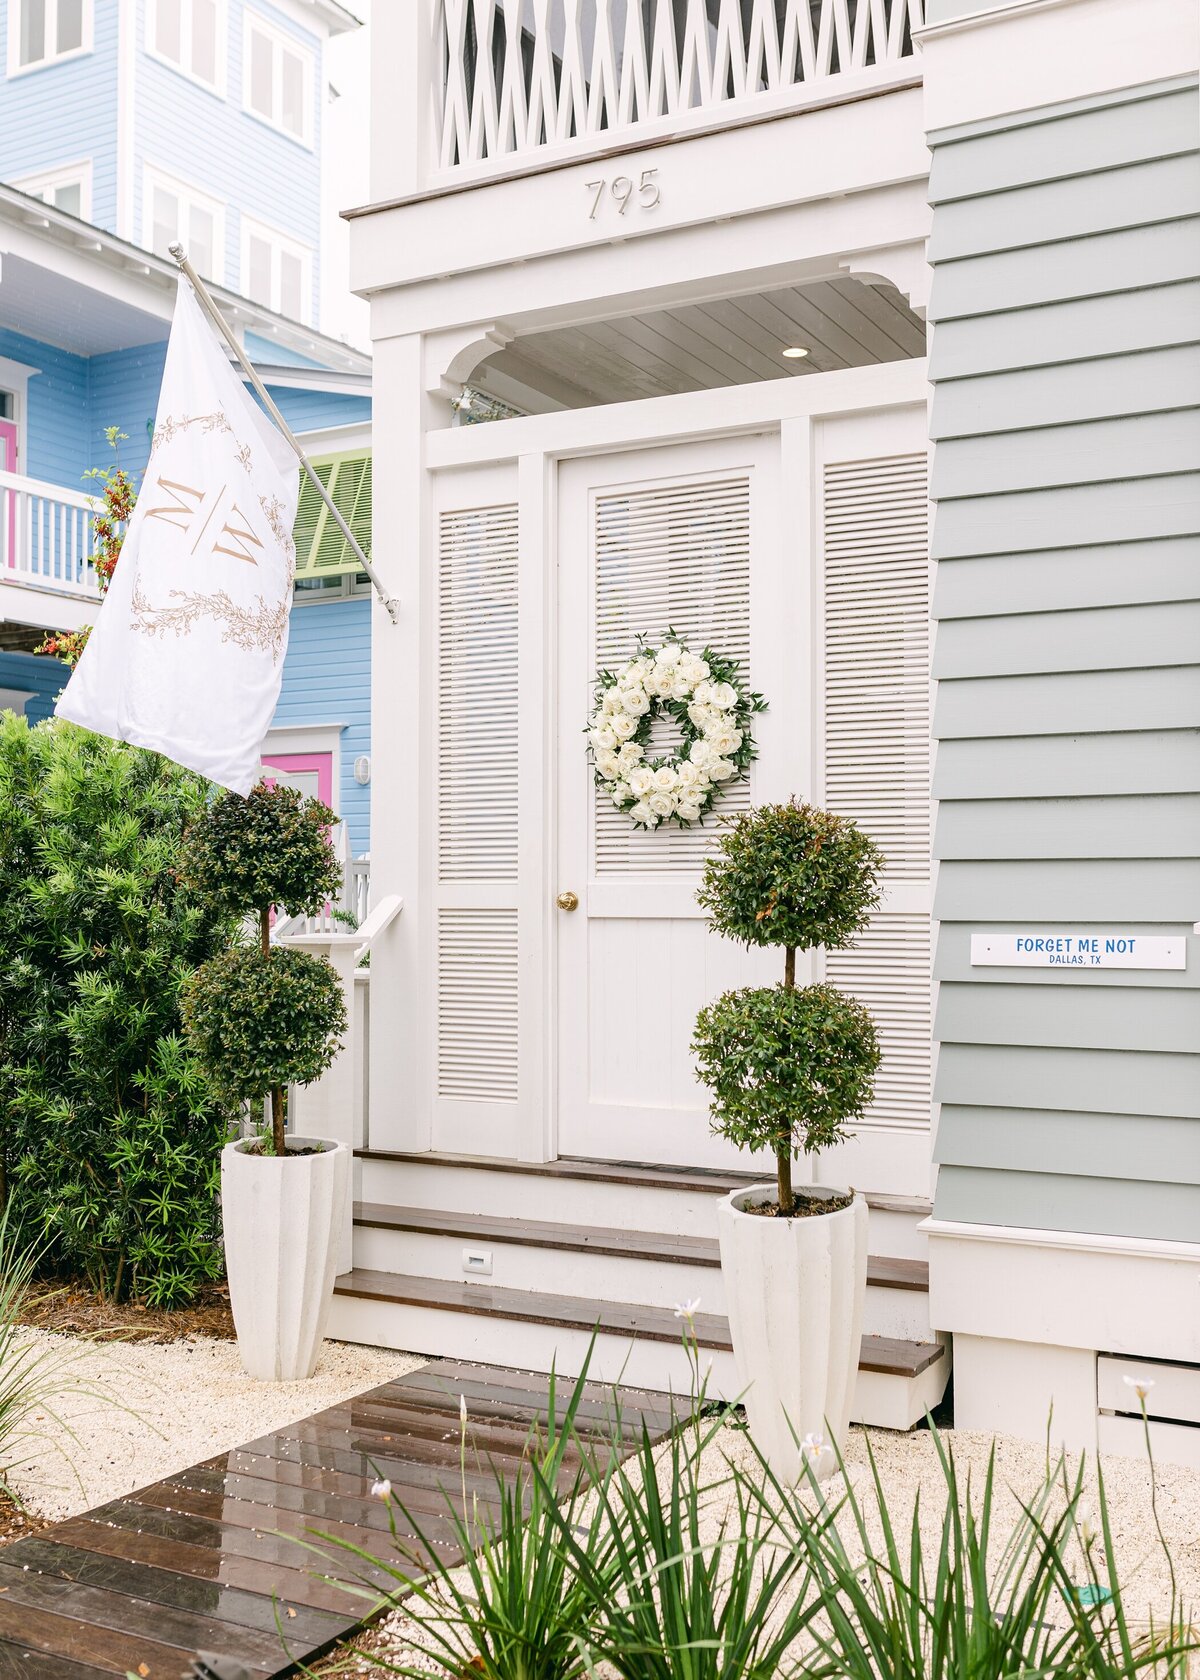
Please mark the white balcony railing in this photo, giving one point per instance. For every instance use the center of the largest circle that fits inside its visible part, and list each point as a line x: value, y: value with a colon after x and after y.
x: 519, y: 77
x: 46, y: 539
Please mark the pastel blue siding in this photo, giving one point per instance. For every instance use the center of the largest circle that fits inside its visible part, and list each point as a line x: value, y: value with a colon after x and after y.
x: 311, y: 411
x: 43, y: 676
x: 57, y: 422
x: 64, y: 113
x: 266, y: 350
x: 123, y: 391
x: 327, y: 679
x: 244, y: 163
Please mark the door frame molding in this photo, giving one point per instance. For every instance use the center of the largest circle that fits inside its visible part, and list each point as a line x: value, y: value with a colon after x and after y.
x: 525, y: 453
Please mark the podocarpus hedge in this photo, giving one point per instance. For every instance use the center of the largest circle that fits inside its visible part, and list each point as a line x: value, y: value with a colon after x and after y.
x: 261, y: 1017
x: 788, y: 1066
x: 111, y: 1135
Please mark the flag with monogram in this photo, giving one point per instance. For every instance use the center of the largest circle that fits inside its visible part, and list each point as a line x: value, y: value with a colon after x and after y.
x: 186, y: 655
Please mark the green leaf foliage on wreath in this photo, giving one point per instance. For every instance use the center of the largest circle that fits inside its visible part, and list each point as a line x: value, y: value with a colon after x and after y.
x: 703, y: 696
x: 112, y: 1134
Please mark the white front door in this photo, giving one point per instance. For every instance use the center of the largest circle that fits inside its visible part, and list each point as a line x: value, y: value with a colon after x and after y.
x: 797, y: 555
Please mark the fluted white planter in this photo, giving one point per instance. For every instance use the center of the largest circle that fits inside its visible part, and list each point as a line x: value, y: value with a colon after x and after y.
x: 795, y: 1290
x: 281, y: 1217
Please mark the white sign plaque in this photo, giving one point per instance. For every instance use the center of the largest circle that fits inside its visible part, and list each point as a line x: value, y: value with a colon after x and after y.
x: 1107, y: 949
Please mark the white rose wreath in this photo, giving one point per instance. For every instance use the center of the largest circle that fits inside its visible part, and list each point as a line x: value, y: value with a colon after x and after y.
x: 704, y: 696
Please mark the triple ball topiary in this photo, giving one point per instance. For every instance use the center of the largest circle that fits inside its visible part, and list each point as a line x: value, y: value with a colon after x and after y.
x: 788, y: 1066
x: 261, y: 1018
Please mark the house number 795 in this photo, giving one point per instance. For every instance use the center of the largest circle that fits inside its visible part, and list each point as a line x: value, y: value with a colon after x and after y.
x: 646, y: 193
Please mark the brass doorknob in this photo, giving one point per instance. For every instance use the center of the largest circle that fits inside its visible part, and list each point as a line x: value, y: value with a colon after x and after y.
x: 567, y: 901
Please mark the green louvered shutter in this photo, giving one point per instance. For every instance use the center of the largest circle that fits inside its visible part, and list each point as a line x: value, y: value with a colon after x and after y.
x: 321, y: 549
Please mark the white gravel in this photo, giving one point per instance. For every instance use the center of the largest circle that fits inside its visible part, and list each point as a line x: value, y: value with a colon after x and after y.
x: 136, y: 1413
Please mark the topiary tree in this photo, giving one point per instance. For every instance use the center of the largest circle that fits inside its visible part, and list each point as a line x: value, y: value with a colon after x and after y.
x: 261, y: 1018
x: 788, y: 1066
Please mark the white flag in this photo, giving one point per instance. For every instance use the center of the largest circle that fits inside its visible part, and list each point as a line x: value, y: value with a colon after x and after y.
x: 186, y: 655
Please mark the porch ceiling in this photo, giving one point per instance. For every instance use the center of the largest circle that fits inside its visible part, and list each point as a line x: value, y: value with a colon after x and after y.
x: 842, y: 322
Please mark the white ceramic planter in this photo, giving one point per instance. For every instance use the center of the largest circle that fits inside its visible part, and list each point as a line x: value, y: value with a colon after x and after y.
x: 281, y: 1218
x: 795, y: 1290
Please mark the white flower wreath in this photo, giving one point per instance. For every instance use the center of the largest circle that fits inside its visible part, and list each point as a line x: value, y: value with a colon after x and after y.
x: 704, y: 696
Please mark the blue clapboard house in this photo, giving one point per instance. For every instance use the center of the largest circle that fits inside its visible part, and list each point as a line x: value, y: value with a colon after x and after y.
x: 125, y: 125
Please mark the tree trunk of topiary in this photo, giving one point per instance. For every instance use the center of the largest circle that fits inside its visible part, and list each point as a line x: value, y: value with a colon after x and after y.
x: 278, y: 1140
x: 783, y: 1155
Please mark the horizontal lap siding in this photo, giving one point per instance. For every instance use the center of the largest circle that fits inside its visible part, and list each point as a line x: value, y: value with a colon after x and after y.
x: 327, y: 679
x: 1066, y: 413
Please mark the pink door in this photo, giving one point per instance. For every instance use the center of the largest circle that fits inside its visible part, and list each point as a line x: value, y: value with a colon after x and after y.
x: 308, y: 773
x: 8, y: 461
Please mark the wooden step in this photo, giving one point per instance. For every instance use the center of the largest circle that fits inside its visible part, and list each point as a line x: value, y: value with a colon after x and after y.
x: 640, y: 1173
x: 884, y: 1273
x: 880, y: 1354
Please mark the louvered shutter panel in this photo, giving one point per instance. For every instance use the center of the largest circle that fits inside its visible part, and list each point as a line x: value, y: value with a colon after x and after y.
x: 877, y: 751
x: 674, y: 557
x: 321, y: 549
x: 476, y: 964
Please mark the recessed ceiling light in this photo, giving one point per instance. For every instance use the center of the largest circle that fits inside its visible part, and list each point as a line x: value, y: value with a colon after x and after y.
x: 794, y: 352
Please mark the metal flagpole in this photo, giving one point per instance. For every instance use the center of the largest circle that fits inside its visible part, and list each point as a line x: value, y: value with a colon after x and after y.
x: 222, y: 326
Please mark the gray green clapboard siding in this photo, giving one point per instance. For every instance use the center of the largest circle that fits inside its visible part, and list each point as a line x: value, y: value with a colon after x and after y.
x: 1065, y: 364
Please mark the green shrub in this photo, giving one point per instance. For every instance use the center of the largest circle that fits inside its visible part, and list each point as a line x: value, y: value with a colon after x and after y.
x: 786, y: 1063
x: 788, y: 1067
x: 263, y: 1019
x: 112, y: 1135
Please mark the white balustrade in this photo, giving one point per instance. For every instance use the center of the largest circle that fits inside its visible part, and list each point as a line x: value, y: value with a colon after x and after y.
x: 46, y: 537
x: 513, y: 77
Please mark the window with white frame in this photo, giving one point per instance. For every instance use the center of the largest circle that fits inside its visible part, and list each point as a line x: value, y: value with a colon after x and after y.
x: 174, y: 211
x: 40, y: 31
x: 189, y: 35
x: 68, y: 188
x: 277, y: 79
x: 276, y: 270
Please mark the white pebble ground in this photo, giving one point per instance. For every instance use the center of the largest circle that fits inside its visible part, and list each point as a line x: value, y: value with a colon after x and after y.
x: 138, y: 1413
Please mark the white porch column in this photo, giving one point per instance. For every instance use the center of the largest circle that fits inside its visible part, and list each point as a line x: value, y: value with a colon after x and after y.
x: 327, y: 1107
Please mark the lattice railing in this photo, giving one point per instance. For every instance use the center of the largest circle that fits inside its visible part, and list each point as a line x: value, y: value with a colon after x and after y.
x: 515, y: 75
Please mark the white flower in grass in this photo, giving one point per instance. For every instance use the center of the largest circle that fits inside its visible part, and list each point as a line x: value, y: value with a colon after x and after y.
x: 381, y: 1490
x: 623, y: 726
x: 662, y: 804
x: 687, y: 1309
x: 812, y: 1447
x: 688, y: 811
x: 462, y: 1409
x: 641, y: 780
x: 1088, y: 1531
x: 642, y: 813
x: 1141, y: 1386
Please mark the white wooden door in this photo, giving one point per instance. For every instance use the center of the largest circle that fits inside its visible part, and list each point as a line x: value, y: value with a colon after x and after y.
x: 686, y: 539
x: 806, y: 556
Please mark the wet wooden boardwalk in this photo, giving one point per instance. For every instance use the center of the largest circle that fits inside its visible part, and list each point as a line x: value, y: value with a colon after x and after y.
x: 212, y: 1560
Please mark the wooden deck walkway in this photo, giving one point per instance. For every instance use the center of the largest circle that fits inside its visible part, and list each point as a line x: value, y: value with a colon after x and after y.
x: 205, y: 1561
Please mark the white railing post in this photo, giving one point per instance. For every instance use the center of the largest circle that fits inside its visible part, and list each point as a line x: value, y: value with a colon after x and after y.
x: 332, y: 1106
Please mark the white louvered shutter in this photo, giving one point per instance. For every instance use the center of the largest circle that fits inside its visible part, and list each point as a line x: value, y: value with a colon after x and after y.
x: 673, y: 557
x: 877, y: 751
x: 476, y: 959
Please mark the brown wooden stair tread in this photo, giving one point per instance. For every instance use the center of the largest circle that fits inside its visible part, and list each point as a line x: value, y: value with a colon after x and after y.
x: 652, y: 1176
x: 884, y: 1272
x: 566, y: 1312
